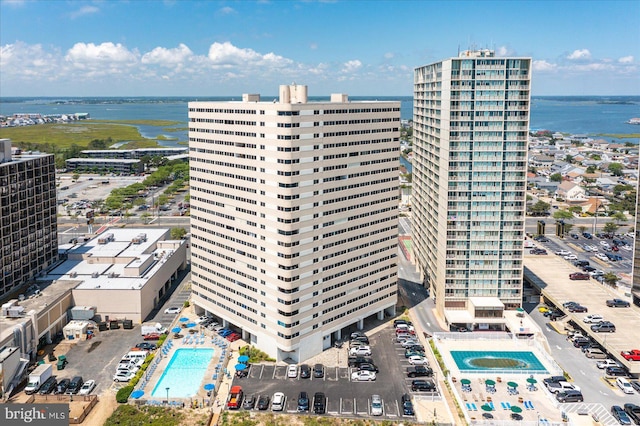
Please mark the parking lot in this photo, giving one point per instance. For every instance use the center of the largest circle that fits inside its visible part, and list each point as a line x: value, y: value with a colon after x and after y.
x: 344, y: 396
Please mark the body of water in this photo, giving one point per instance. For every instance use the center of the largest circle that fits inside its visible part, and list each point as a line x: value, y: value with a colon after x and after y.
x: 575, y: 114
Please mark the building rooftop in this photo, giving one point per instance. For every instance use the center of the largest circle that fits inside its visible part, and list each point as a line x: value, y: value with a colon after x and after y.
x: 117, y: 259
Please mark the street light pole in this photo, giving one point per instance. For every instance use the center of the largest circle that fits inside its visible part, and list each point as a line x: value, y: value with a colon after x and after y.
x: 167, y: 395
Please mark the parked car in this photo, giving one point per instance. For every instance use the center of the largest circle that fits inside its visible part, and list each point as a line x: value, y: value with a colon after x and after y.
x: 408, y: 343
x: 624, y: 385
x: 633, y: 411
x: 305, y: 371
x: 263, y: 402
x: 75, y: 385
x: 48, y: 386
x: 620, y: 415
x: 587, y: 235
x: 618, y: 303
x: 580, y: 342
x: 292, y: 371
x: 87, y: 387
x: 632, y: 355
x: 563, y: 252
x: 172, y: 310
x: 123, y: 376
x: 570, y: 257
x: 606, y: 363
x: 409, y: 352
x: 357, y: 334
x: 368, y: 367
x: 303, y: 402
x: 319, y: 403
x: 593, y: 319
x: 579, y: 276
x: 615, y: 372
x: 278, y: 400
x: 147, y: 346
x: 577, y: 308
x: 62, y: 386
x: 360, y: 351
x: 249, y: 402
x: 419, y: 371
x: 423, y: 385
x: 318, y: 371
x: 356, y: 361
x: 595, y: 353
x: 407, y: 405
x: 418, y: 360
x: 604, y: 327
x: 363, y: 376
x: 570, y: 396
x: 376, y: 405
x: 538, y: 251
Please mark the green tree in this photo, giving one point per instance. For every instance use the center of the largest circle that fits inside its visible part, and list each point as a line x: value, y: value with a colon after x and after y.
x: 618, y: 217
x: 611, y: 279
x: 582, y: 229
x: 563, y: 215
x: 568, y: 158
x: 615, y: 169
x: 177, y: 233
x: 75, y: 176
x: 591, y: 169
x: 145, y: 217
x: 610, y: 227
x: 539, y: 208
x: 556, y: 177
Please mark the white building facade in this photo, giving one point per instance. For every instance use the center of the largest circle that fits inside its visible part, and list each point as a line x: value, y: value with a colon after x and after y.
x: 294, y: 216
x: 471, y: 121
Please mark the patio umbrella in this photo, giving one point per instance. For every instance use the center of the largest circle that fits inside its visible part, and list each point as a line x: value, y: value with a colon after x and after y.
x: 191, y: 324
x: 183, y: 319
x: 490, y: 382
x: 532, y: 380
x: 243, y: 358
x: 209, y: 387
x: 176, y: 330
x: 137, y: 394
x: 465, y: 381
x: 240, y: 367
x: 486, y: 407
x: 519, y: 310
x: 516, y: 409
x: 512, y: 384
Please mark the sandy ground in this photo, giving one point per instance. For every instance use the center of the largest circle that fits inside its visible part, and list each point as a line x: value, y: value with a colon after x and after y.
x: 103, y: 409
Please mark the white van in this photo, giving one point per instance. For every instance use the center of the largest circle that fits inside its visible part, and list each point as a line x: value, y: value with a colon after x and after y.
x: 624, y: 385
x: 136, y: 355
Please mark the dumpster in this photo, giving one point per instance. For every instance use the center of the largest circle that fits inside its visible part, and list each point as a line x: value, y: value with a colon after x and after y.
x: 62, y: 362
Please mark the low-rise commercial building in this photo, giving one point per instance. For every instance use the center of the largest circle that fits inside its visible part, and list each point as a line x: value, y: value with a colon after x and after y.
x: 101, y: 165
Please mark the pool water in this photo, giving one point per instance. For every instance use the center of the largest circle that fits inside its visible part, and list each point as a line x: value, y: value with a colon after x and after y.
x: 516, y: 361
x: 184, y: 373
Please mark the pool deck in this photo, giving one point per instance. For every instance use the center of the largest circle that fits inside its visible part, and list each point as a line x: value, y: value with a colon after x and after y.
x: 214, y: 373
x: 535, y: 401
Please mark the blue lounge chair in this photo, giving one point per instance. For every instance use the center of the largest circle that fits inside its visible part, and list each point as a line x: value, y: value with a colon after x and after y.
x: 505, y: 405
x: 492, y: 405
x: 528, y: 405
x: 473, y: 405
x: 469, y: 408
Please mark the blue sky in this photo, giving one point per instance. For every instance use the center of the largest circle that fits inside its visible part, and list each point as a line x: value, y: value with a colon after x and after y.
x: 226, y: 48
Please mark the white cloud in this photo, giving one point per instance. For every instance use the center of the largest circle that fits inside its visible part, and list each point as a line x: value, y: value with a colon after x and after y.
x: 108, y: 52
x: 227, y: 10
x: 505, y: 51
x: 84, y: 10
x: 580, y: 54
x: 389, y: 55
x: 168, y: 57
x: 542, y: 65
x: 351, y: 66
x: 227, y: 55
x: 626, y: 60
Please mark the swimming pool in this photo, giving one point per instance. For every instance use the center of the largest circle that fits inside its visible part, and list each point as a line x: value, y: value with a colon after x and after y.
x: 498, y: 361
x: 184, y: 373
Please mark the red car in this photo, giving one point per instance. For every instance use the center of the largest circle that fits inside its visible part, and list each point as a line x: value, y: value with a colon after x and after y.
x: 151, y: 336
x: 579, y: 276
x: 233, y: 337
x: 632, y: 355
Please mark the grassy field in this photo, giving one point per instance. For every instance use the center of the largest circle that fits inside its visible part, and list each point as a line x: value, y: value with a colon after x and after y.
x: 620, y: 135
x: 81, y: 133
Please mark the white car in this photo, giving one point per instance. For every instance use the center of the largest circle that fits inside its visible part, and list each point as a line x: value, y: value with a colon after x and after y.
x: 87, y: 387
x: 626, y: 247
x: 409, y: 342
x: 363, y: 376
x: 586, y: 247
x: 202, y: 318
x: 360, y: 351
x: 563, y: 252
x: 604, y: 244
x: 172, y: 310
x: 376, y: 405
x: 292, y: 371
x: 418, y: 360
x: 596, y: 272
x: 277, y: 403
x: 602, y: 256
x: 593, y: 319
x: 123, y: 376
x: 594, y: 249
x: 604, y: 363
x: 571, y: 257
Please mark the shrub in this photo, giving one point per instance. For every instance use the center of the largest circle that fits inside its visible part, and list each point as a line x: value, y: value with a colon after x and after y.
x: 123, y: 394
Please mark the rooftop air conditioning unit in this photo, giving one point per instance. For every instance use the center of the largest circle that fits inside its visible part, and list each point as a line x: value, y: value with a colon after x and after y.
x: 73, y: 274
x: 95, y: 275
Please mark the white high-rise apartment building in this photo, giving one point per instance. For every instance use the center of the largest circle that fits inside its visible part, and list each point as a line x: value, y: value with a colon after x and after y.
x: 471, y: 122
x: 294, y: 216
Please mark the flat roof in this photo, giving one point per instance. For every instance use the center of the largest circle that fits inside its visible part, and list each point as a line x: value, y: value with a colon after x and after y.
x: 109, y: 275
x: 489, y: 302
x: 105, y: 160
x: 551, y: 274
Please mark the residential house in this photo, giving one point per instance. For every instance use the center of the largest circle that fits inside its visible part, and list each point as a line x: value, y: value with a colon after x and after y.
x: 570, y: 192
